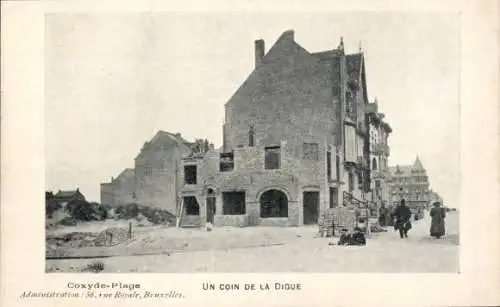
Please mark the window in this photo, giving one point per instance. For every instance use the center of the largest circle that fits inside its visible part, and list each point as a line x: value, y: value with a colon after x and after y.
x: 251, y: 137
x: 191, y: 205
x: 226, y: 163
x: 351, y: 181
x: 337, y: 166
x: 360, y: 179
x: 190, y: 174
x: 311, y: 151
x: 377, y: 184
x: 329, y: 164
x: 273, y: 203
x: 374, y: 164
x: 148, y: 171
x: 272, y: 157
x: 233, y: 203
x: 333, y: 197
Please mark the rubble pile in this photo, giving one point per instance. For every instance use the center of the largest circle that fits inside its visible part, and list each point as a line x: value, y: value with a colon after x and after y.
x: 335, y: 219
x: 112, y: 236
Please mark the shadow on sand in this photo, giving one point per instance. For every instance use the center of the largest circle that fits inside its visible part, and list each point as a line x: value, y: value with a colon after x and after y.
x: 452, y: 239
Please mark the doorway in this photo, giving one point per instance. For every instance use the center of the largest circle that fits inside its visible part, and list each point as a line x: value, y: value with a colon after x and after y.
x: 311, y: 207
x: 210, y: 206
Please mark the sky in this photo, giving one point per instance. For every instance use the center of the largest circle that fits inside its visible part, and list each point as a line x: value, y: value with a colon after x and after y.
x: 114, y: 80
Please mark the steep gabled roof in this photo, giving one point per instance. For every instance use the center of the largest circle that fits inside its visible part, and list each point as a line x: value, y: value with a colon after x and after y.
x: 417, y: 165
x: 283, y: 49
x: 161, y: 135
x: 327, y: 55
x: 127, y: 172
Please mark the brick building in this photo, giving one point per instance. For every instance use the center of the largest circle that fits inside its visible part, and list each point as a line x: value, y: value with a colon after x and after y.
x: 411, y: 183
x: 295, y: 142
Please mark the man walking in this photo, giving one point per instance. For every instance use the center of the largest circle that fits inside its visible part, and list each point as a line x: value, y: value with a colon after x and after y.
x: 403, y: 219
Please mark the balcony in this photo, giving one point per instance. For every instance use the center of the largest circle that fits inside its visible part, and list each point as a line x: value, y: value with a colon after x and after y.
x: 380, y: 174
x: 380, y: 149
x: 361, y: 129
x: 361, y: 162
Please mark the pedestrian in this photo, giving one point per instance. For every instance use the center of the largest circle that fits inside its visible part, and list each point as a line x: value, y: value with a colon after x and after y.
x: 382, y: 216
x: 402, y: 214
x: 438, y: 215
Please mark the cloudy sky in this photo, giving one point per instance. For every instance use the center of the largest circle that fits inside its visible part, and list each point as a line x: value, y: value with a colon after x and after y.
x: 114, y: 80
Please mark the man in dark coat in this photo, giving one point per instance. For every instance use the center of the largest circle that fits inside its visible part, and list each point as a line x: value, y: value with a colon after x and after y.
x: 403, y: 219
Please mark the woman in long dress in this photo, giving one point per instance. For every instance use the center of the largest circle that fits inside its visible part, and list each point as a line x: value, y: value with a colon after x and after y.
x: 438, y: 215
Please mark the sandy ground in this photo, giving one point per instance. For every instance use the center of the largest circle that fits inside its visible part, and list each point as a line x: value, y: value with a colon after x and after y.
x: 261, y: 249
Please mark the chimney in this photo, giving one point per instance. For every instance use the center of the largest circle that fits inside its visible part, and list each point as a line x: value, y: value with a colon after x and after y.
x: 259, y: 51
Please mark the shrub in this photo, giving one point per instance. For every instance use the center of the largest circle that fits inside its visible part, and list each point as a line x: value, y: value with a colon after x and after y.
x: 51, y: 206
x: 128, y: 211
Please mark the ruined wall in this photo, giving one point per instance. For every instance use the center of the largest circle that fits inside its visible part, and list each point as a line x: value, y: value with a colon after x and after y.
x: 157, y: 177
x: 124, y: 188
x: 107, y: 194
x: 249, y: 175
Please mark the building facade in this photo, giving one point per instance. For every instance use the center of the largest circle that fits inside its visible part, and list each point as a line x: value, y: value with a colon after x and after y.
x: 379, y: 131
x: 295, y: 142
x: 121, y: 190
x: 65, y: 197
x: 411, y: 183
x: 155, y: 179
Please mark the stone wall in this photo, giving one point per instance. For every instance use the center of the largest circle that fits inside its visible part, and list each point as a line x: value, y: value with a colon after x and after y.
x: 107, y: 194
x: 289, y: 94
x: 158, y: 178
x: 231, y: 220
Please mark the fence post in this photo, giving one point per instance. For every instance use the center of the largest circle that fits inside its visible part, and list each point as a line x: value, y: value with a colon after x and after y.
x: 130, y: 230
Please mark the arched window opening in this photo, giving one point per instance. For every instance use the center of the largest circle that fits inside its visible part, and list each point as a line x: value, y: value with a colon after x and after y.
x: 273, y: 203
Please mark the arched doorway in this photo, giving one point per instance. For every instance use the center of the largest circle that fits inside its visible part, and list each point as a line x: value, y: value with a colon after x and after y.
x: 210, y: 200
x: 273, y: 203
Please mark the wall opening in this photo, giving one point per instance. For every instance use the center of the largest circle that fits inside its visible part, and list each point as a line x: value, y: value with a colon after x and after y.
x: 233, y: 203
x: 273, y: 203
x: 251, y: 136
x: 191, y: 205
x: 351, y: 181
x: 374, y: 164
x: 190, y: 174
x: 334, y: 197
x: 211, y: 208
x: 226, y: 162
x: 311, y: 207
x: 272, y: 157
x: 337, y: 166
